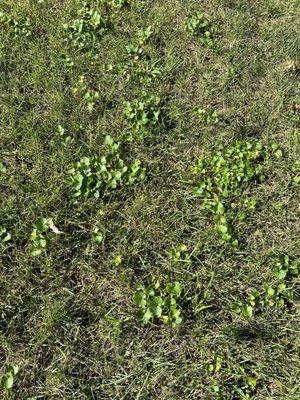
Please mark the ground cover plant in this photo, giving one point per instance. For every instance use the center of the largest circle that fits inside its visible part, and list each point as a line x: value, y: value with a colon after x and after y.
x: 149, y: 199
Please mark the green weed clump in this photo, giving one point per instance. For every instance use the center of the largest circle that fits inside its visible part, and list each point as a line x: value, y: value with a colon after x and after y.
x: 143, y: 113
x: 197, y: 25
x: 99, y: 176
x: 5, y: 236
x: 278, y: 295
x: 18, y: 28
x: 223, y: 183
x: 208, y: 117
x: 231, y: 380
x: 7, y: 380
x: 138, y: 67
x: 159, y: 303
x: 39, y: 235
x: 84, y: 32
x: 89, y: 96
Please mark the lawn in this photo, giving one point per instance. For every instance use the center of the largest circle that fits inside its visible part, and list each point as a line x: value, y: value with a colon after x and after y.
x: 149, y: 206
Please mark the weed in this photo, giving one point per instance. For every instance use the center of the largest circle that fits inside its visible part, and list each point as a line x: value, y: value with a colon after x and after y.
x: 224, y: 178
x: 7, y: 380
x: 285, y: 268
x: 197, y: 25
x: 97, y: 237
x: 89, y: 96
x: 4, y: 235
x: 179, y: 253
x: 38, y: 236
x: 208, y: 117
x: 99, y: 176
x: 139, y: 66
x: 143, y: 113
x: 2, y: 169
x: 235, y: 382
x: 279, y: 297
x: 201, y: 299
x: 159, y: 303
x: 64, y: 137
x: 18, y: 28
x: 85, y: 32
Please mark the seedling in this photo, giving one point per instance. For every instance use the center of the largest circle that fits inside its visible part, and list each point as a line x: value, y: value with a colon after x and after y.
x: 179, y: 253
x: 18, y: 28
x: 144, y: 113
x: 99, y: 176
x: 67, y: 61
x: 97, y: 237
x: 208, y: 117
x: 89, y: 96
x: 117, y: 260
x: 231, y: 381
x: 197, y: 25
x: 65, y: 138
x: 224, y: 178
x: 4, y: 235
x: 285, y: 268
x: 85, y: 32
x: 138, y: 67
x: 39, y: 233
x: 144, y: 35
x: 158, y: 303
x: 215, y: 365
x: 117, y: 4
x: 2, y: 169
x: 271, y: 297
x: 7, y: 380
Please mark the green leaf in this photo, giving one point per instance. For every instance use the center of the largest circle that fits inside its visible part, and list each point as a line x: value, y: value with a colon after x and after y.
x: 7, y: 381
x: 147, y: 316
x: 247, y: 311
x: 139, y: 299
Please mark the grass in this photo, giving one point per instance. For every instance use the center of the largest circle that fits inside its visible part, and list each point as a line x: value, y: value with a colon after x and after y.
x: 67, y: 316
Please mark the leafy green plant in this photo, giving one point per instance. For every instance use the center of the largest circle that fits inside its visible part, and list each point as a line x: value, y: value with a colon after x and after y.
x: 18, y: 28
x: 38, y: 236
x: 2, y: 169
x: 215, y: 365
x: 278, y: 296
x: 85, y: 31
x: 197, y: 25
x: 98, y: 176
x: 143, y: 113
x: 4, y: 235
x: 231, y: 381
x: 179, y: 253
x: 222, y: 181
x: 65, y: 138
x: 285, y: 268
x: 7, y: 380
x: 159, y: 303
x: 97, y: 237
x: 144, y: 35
x: 89, y: 96
x: 116, y: 4
x: 208, y: 117
x: 138, y: 67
